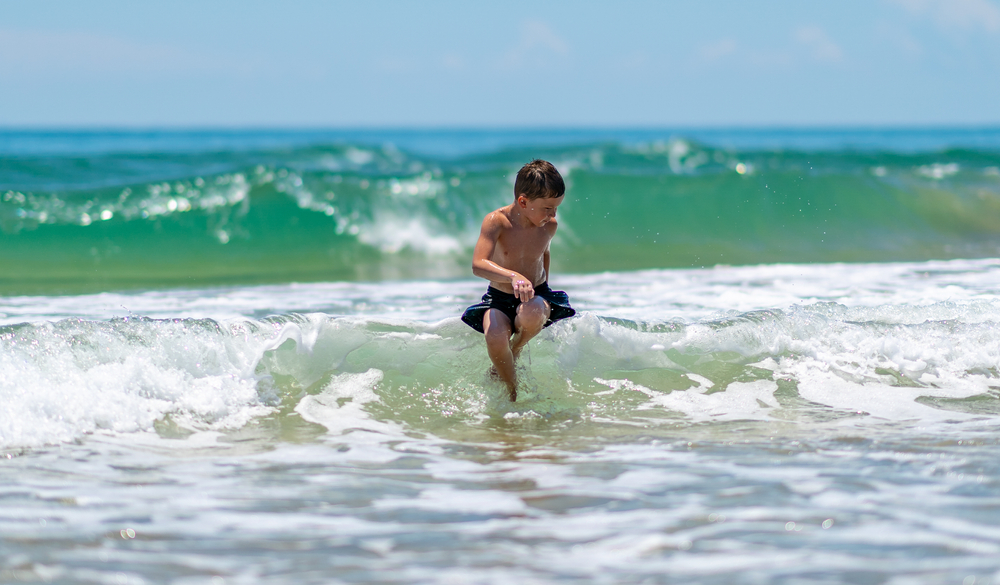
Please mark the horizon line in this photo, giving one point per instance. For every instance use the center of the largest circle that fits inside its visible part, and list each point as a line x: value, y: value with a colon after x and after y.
x: 485, y: 127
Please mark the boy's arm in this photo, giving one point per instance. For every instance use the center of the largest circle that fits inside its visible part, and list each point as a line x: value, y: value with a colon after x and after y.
x: 483, y: 267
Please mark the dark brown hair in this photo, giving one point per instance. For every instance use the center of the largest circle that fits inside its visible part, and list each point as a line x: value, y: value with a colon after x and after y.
x: 537, y: 180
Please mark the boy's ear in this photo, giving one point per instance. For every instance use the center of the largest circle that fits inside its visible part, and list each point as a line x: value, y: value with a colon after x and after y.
x: 522, y: 201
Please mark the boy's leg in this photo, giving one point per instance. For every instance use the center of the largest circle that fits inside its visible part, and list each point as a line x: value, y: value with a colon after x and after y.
x: 531, y: 318
x: 497, y: 328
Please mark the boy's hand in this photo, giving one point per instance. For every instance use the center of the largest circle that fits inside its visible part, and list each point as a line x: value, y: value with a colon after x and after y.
x: 523, y: 289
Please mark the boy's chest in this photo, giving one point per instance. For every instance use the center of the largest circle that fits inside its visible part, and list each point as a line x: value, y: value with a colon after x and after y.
x: 519, y: 243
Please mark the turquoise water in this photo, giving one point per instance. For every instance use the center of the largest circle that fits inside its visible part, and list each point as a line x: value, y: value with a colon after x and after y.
x: 83, y: 212
x: 235, y: 357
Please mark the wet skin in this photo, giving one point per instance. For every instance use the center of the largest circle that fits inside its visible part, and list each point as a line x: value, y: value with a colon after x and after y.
x: 513, y: 254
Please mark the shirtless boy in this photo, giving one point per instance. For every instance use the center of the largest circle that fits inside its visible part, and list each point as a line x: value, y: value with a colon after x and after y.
x: 513, y: 254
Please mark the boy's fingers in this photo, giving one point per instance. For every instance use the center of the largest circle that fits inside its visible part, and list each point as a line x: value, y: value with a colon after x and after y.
x: 523, y: 290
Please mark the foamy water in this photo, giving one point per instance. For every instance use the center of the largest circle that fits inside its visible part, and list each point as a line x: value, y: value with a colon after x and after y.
x: 775, y: 423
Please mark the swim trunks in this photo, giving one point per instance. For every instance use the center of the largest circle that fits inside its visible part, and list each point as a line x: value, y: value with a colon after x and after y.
x: 507, y: 304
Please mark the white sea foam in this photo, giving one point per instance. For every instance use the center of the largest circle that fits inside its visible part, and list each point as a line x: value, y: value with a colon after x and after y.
x: 391, y: 233
x: 906, y: 342
x: 62, y: 380
x: 661, y: 295
x: 340, y: 407
x: 646, y: 296
x: 740, y: 401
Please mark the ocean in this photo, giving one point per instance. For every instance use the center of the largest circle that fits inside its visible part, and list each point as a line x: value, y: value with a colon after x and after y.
x: 235, y: 356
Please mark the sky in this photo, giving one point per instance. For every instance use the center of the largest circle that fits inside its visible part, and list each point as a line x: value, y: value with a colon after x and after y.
x: 381, y: 63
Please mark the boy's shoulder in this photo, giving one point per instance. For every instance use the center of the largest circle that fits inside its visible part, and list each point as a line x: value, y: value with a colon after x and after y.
x: 498, y: 219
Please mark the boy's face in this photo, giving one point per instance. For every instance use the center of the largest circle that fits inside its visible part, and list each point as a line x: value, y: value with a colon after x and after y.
x: 539, y: 211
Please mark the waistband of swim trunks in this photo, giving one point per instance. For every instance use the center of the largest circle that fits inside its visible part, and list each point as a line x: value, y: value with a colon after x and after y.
x: 492, y: 289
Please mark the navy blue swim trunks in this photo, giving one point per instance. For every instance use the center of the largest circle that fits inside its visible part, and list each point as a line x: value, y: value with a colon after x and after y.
x: 507, y: 304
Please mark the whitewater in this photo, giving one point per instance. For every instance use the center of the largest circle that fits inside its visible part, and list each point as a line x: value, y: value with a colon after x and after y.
x: 832, y: 419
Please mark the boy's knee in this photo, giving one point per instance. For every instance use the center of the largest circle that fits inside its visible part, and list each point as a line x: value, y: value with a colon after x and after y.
x: 533, y: 314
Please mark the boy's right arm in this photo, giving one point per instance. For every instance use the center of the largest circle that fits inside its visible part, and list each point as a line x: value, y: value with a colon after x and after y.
x: 484, y: 267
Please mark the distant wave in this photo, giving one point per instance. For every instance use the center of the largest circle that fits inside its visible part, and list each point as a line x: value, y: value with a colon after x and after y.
x: 352, y: 211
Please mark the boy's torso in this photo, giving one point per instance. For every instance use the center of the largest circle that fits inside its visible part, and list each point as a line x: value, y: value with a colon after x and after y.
x: 522, y: 249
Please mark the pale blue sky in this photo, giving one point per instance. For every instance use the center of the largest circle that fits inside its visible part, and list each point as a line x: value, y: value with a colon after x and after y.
x: 560, y: 63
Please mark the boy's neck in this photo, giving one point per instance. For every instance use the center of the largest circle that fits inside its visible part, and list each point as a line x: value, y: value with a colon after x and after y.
x: 517, y: 216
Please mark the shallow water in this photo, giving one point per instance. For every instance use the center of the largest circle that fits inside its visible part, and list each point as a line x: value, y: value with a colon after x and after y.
x: 763, y: 424
x: 515, y: 504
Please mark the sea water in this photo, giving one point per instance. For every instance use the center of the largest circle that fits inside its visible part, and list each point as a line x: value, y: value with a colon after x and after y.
x: 235, y: 357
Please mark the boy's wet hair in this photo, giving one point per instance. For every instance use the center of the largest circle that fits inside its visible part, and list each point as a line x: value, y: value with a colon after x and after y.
x: 537, y: 180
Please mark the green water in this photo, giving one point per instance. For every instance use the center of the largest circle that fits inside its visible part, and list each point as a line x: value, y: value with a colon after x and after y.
x: 355, y: 212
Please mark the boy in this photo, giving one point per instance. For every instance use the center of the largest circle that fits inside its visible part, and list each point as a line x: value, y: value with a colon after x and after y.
x: 513, y: 254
